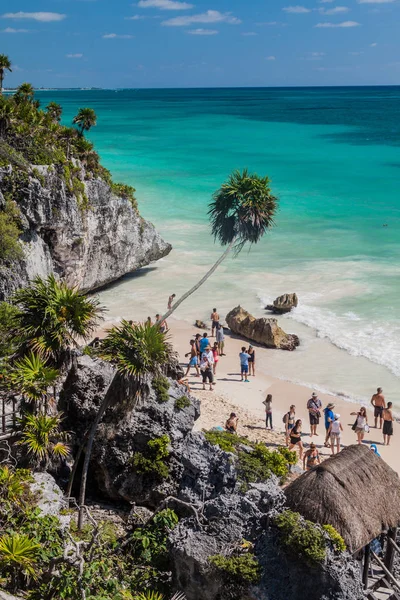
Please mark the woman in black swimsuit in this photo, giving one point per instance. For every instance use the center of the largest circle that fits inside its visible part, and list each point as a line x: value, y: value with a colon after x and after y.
x: 295, y: 438
x: 252, y: 360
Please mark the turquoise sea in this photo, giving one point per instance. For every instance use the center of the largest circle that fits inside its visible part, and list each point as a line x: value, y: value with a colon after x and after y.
x: 333, y: 156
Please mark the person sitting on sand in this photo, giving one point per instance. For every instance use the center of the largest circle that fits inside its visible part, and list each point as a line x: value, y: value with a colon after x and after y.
x: 204, y: 342
x: 244, y: 364
x: 268, y: 411
x: 206, y: 369
x: 387, y: 424
x: 378, y: 402
x: 289, y: 420
x: 252, y: 361
x: 215, y: 352
x: 361, y: 423
x: 232, y: 423
x: 214, y: 321
x: 295, y: 438
x: 170, y: 301
x: 335, y: 427
x: 193, y: 362
x: 329, y: 417
x: 220, y: 337
x: 311, y: 457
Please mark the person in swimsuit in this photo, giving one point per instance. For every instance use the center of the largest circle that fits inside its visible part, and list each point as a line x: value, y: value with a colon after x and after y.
x: 252, y: 360
x: 311, y: 457
x: 162, y: 324
x: 232, y: 423
x: 289, y: 420
x: 361, y: 422
x: 268, y: 411
x: 170, y: 301
x: 378, y: 402
x: 214, y: 321
x: 387, y: 424
x: 193, y: 359
x: 215, y: 352
x: 295, y: 438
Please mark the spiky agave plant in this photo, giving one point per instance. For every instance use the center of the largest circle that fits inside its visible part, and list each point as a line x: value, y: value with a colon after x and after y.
x: 43, y: 439
x: 18, y: 555
x: 31, y: 377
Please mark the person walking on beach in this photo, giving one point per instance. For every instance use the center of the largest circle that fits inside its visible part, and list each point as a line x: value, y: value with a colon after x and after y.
x: 268, y: 411
x: 206, y: 368
x: 214, y: 321
x: 329, y: 417
x: 295, y: 438
x: 387, y: 424
x: 361, y: 423
x: 162, y: 324
x: 335, y: 427
x: 232, y: 423
x: 289, y: 419
x: 197, y: 339
x: 311, y: 457
x: 314, y: 407
x: 220, y: 337
x: 204, y: 342
x: 244, y: 364
x: 170, y: 301
x: 378, y: 402
x: 252, y: 361
x: 215, y: 352
x: 193, y: 362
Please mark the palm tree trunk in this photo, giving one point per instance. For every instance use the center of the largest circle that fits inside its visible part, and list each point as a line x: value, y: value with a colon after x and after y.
x: 200, y: 283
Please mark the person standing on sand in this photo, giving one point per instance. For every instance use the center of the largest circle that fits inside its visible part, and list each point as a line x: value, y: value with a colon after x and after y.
x: 232, y: 423
x: 361, y: 423
x: 170, y: 301
x: 193, y: 359
x: 197, y: 339
x: 220, y: 337
x: 244, y: 364
x: 204, y: 342
x: 335, y: 427
x: 252, y: 361
x: 387, y: 424
x: 289, y: 419
x: 311, y: 457
x: 215, y: 352
x: 206, y: 368
x: 378, y: 402
x: 314, y: 406
x: 329, y: 417
x: 214, y: 321
x: 268, y: 411
x: 295, y: 438
x: 162, y: 324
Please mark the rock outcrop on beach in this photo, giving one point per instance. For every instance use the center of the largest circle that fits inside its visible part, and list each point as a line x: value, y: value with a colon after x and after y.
x: 283, y: 304
x: 262, y: 331
x: 81, y: 231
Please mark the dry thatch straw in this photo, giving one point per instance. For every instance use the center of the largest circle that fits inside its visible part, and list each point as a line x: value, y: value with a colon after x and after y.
x: 355, y: 491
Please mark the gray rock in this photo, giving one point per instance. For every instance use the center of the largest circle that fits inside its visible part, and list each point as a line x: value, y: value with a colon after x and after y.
x: 50, y: 498
x: 5, y: 596
x: 283, y: 304
x: 89, y: 247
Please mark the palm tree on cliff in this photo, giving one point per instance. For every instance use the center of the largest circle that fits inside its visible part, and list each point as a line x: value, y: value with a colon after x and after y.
x: 137, y: 352
x: 5, y: 65
x: 241, y: 212
x: 25, y: 93
x: 54, y: 110
x: 85, y: 119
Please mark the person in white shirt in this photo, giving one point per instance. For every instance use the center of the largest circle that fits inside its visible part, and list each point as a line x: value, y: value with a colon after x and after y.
x: 335, y: 428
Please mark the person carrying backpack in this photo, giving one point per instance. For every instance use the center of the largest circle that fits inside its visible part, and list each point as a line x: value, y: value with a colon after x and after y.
x: 289, y: 419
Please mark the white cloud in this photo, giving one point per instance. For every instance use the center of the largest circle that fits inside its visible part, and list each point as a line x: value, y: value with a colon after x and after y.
x: 164, y: 4
x: 375, y: 1
x: 74, y: 55
x: 114, y: 36
x: 45, y: 17
x: 373, y: 45
x: 345, y: 24
x: 298, y: 10
x: 249, y: 33
x: 210, y: 16
x: 270, y: 58
x: 203, y: 31
x: 12, y: 30
x: 134, y: 18
x: 334, y: 11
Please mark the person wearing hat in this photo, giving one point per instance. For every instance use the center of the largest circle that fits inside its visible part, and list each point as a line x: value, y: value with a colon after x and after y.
x: 329, y: 417
x: 334, y: 431
x: 311, y: 457
x: 232, y: 423
x: 314, y: 407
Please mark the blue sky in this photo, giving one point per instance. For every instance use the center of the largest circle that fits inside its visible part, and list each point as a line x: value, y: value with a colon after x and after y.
x: 198, y: 43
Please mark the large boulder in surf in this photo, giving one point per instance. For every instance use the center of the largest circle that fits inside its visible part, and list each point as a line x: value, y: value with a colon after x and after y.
x: 262, y: 331
x: 283, y: 304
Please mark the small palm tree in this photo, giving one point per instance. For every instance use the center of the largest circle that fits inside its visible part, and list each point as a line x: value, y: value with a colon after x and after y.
x: 136, y: 351
x: 85, y: 119
x: 25, y: 93
x: 43, y: 439
x: 31, y: 377
x: 18, y: 556
x: 241, y: 212
x: 54, y: 110
x: 54, y: 317
x: 5, y: 65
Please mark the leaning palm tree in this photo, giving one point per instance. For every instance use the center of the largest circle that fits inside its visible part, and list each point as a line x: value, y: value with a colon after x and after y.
x: 5, y: 65
x: 241, y: 212
x: 85, y: 119
x: 54, y: 317
x: 54, y: 110
x: 137, y: 351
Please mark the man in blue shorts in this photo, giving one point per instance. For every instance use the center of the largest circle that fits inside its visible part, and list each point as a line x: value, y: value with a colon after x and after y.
x: 244, y: 364
x: 193, y: 359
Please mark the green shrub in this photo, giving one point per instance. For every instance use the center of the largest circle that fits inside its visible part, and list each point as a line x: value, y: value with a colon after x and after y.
x: 336, y: 539
x: 160, y: 385
x: 301, y: 537
x: 260, y: 464
x: 8, y: 315
x: 125, y: 191
x: 182, y: 402
x: 153, y: 461
x: 225, y: 440
x: 10, y: 247
x: 243, y: 568
x: 289, y: 455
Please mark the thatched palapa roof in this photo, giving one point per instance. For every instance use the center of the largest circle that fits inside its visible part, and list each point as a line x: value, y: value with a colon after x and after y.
x: 355, y: 491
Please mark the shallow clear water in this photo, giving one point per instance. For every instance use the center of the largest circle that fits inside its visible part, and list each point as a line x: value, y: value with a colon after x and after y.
x: 333, y: 155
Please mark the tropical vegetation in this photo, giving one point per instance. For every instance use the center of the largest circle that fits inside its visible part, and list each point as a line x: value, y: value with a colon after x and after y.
x: 5, y: 65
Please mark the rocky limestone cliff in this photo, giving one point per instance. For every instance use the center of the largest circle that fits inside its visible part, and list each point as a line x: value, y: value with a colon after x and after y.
x: 88, y: 236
